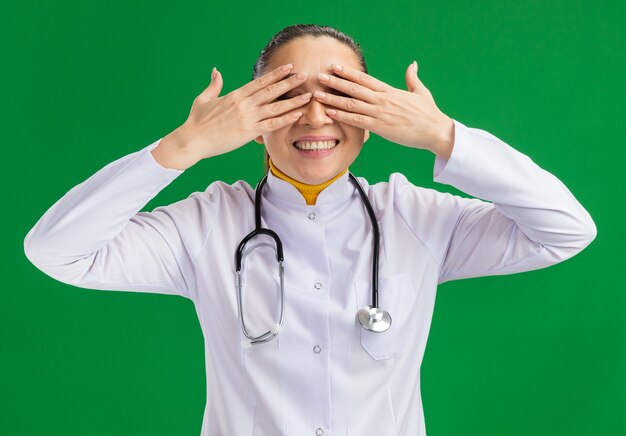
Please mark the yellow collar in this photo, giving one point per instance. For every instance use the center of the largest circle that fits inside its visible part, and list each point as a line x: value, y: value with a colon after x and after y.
x: 309, y: 192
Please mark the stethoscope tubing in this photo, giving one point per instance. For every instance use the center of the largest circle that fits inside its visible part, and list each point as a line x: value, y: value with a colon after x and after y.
x: 271, y: 334
x: 376, y: 231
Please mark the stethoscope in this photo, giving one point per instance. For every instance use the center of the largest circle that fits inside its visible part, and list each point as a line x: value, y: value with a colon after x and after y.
x: 371, y: 317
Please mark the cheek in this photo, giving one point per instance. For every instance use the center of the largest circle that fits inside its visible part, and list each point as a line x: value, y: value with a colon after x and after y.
x: 353, y: 150
x: 356, y: 138
x: 274, y: 141
x: 357, y: 150
x: 278, y: 138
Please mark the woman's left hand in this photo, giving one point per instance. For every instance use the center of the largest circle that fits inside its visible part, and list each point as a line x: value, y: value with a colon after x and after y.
x: 409, y: 118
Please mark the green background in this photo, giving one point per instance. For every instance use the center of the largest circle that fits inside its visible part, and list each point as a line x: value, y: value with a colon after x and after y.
x: 85, y: 83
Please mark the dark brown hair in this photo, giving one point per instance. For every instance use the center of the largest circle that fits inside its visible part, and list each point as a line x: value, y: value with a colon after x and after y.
x: 299, y: 30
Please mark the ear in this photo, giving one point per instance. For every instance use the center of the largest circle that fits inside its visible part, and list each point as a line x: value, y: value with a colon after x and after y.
x: 259, y: 139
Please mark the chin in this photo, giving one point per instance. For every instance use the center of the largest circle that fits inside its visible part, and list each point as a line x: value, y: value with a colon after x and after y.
x: 321, y: 177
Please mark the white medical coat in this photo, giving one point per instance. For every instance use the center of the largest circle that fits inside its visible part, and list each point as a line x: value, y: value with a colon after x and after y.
x: 324, y: 374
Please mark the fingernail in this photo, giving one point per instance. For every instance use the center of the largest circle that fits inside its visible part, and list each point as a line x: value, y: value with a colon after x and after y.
x: 213, y: 74
x: 337, y: 67
x: 323, y: 77
x: 414, y: 65
x: 301, y: 75
x: 286, y: 68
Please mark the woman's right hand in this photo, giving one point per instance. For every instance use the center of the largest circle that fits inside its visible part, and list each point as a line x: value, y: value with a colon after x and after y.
x: 217, y: 125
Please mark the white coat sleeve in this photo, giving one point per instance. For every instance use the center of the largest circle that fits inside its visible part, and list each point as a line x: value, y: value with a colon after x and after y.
x: 95, y: 237
x: 523, y: 219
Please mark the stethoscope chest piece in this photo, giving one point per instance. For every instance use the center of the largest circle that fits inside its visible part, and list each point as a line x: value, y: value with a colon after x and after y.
x: 374, y: 318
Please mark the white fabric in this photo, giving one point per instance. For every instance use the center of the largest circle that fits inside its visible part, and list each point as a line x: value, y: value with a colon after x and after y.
x: 324, y: 371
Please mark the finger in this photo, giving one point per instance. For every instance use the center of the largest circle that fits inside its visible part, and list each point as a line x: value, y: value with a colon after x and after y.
x: 413, y: 73
x: 215, y: 87
x: 350, y: 104
x: 360, y: 77
x: 261, y: 82
x: 275, y: 91
x: 349, y: 87
x: 277, y: 107
x: 357, y: 120
x: 272, y: 124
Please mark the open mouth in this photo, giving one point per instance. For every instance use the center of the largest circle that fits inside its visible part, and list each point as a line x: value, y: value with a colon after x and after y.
x: 315, y: 145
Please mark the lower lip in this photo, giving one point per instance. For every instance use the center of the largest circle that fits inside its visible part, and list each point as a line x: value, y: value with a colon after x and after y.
x: 316, y: 153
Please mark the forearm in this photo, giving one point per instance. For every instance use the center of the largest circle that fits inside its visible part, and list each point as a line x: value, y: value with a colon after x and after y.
x: 486, y: 167
x: 92, y: 213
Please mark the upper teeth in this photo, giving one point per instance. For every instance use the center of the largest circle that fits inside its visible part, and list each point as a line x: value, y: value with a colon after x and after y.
x: 316, y: 145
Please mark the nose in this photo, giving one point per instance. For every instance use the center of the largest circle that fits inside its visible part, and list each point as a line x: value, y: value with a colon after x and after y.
x: 314, y: 114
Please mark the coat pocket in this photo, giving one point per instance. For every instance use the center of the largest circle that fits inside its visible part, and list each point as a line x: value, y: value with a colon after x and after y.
x: 397, y: 295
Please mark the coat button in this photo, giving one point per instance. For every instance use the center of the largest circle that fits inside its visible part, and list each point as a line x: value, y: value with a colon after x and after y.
x: 318, y: 285
x: 317, y: 349
x: 319, y: 432
x: 312, y: 216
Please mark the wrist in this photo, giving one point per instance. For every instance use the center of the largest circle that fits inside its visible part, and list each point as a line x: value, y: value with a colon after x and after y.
x: 175, y: 151
x: 443, y: 143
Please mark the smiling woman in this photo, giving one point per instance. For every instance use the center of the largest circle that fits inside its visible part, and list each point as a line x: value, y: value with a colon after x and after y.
x: 345, y: 358
x: 311, y: 51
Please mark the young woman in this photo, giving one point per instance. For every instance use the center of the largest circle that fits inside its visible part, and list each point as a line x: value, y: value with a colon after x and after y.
x: 319, y: 324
